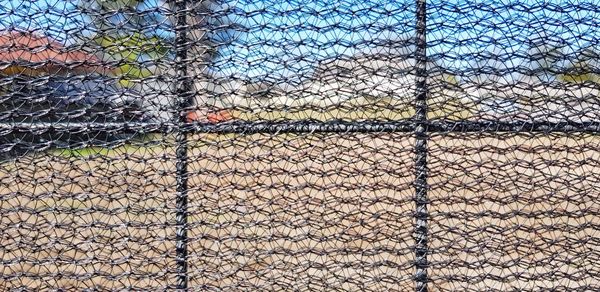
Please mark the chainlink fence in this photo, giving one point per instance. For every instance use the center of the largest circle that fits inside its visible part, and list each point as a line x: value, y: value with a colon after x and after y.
x: 300, y: 145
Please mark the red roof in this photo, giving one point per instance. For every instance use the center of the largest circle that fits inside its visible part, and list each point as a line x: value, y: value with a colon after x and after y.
x: 32, y: 52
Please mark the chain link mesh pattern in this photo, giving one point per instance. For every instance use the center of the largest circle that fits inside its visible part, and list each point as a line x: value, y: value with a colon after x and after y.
x: 267, y: 145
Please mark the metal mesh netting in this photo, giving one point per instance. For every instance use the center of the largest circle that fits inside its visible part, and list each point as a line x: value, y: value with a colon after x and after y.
x: 267, y: 145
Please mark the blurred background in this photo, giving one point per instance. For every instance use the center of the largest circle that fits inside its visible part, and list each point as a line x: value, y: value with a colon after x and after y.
x: 267, y: 60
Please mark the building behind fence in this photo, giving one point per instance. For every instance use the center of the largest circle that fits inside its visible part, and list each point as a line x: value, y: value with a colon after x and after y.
x: 259, y: 145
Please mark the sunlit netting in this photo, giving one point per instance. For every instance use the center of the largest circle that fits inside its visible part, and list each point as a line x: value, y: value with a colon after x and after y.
x: 300, y: 145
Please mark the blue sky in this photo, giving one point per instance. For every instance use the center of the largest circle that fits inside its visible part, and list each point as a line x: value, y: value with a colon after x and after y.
x: 289, y: 36
x: 45, y: 16
x: 286, y: 38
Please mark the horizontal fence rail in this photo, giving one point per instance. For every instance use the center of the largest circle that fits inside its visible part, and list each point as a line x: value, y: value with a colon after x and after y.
x: 316, y: 127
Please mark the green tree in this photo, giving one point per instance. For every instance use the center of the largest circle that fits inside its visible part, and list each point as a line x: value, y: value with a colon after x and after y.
x: 140, y: 38
x: 128, y: 33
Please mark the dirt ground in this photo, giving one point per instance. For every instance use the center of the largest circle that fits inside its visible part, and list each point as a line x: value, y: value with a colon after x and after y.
x: 308, y: 212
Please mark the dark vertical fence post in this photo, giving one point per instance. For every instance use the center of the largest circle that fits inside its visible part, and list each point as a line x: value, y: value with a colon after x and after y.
x: 184, y: 90
x: 421, y: 214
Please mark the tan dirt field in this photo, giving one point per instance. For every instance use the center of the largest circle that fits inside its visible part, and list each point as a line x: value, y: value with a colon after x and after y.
x: 308, y: 212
